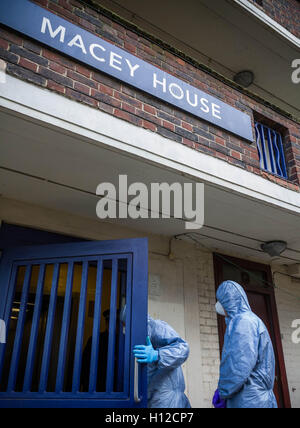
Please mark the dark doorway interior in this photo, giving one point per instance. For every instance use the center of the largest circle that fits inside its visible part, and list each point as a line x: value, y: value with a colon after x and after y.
x: 16, y: 236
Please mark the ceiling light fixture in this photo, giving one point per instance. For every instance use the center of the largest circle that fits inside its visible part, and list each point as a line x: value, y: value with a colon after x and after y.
x: 274, y: 248
x: 244, y: 78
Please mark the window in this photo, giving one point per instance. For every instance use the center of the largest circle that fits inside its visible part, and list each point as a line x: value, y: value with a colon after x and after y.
x: 270, y: 150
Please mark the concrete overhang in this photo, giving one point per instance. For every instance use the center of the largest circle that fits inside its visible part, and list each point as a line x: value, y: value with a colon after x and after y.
x: 54, y: 152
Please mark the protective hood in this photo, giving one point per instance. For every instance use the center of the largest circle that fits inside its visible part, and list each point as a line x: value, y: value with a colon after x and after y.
x: 233, y: 298
x: 247, y: 370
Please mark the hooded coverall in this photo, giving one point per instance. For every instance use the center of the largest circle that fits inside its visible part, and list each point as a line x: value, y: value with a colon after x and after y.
x: 247, y: 370
x: 166, y: 384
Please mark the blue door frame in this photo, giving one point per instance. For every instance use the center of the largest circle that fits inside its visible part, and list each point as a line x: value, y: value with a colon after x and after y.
x: 135, y: 252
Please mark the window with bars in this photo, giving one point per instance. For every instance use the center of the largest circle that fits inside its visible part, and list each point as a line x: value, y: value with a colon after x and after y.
x: 271, y: 151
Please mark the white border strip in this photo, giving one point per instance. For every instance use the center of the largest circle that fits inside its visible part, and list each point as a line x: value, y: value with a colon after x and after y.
x: 106, y: 130
x: 262, y: 16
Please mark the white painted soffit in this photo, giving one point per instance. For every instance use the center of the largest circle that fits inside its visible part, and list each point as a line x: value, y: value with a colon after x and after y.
x: 267, y: 20
x: 103, y: 129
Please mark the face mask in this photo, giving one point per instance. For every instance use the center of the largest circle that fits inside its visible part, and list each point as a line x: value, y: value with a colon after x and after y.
x: 220, y: 310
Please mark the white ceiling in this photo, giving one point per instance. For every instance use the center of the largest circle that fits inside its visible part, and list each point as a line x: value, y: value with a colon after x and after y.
x: 223, y: 36
x: 46, y: 167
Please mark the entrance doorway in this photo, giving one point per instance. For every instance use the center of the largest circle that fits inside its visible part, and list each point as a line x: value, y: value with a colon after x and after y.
x: 256, y: 280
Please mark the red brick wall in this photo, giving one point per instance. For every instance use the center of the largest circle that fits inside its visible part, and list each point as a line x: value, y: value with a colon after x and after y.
x: 34, y: 63
x: 285, y: 12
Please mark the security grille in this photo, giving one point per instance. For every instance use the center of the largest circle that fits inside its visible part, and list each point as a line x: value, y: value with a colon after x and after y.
x: 71, y: 315
x: 58, y: 335
x: 270, y: 150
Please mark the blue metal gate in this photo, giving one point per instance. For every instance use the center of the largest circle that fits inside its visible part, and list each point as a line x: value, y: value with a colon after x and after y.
x: 73, y: 313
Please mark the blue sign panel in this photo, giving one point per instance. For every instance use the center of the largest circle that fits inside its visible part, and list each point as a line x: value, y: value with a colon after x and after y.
x: 36, y: 22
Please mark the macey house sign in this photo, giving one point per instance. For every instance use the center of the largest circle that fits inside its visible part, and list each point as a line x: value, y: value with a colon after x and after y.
x: 39, y: 24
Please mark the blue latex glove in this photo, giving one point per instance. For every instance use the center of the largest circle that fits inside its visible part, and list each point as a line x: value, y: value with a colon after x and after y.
x: 218, y: 402
x: 145, y: 354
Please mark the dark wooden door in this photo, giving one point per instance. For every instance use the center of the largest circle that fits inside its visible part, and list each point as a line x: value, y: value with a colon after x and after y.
x: 256, y: 279
x: 259, y: 303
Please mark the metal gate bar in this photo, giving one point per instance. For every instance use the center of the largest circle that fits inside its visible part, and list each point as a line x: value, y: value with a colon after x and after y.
x: 6, y: 315
x: 120, y: 345
x: 80, y: 329
x: 20, y: 327
x: 96, y: 328
x: 112, y: 328
x: 64, y: 330
x: 34, y: 330
x: 127, y: 346
x: 49, y: 331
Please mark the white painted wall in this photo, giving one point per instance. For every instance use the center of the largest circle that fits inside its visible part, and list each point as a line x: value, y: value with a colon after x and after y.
x: 208, y: 327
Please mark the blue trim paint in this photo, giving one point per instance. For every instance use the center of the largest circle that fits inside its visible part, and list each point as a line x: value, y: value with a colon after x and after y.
x: 63, y: 36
